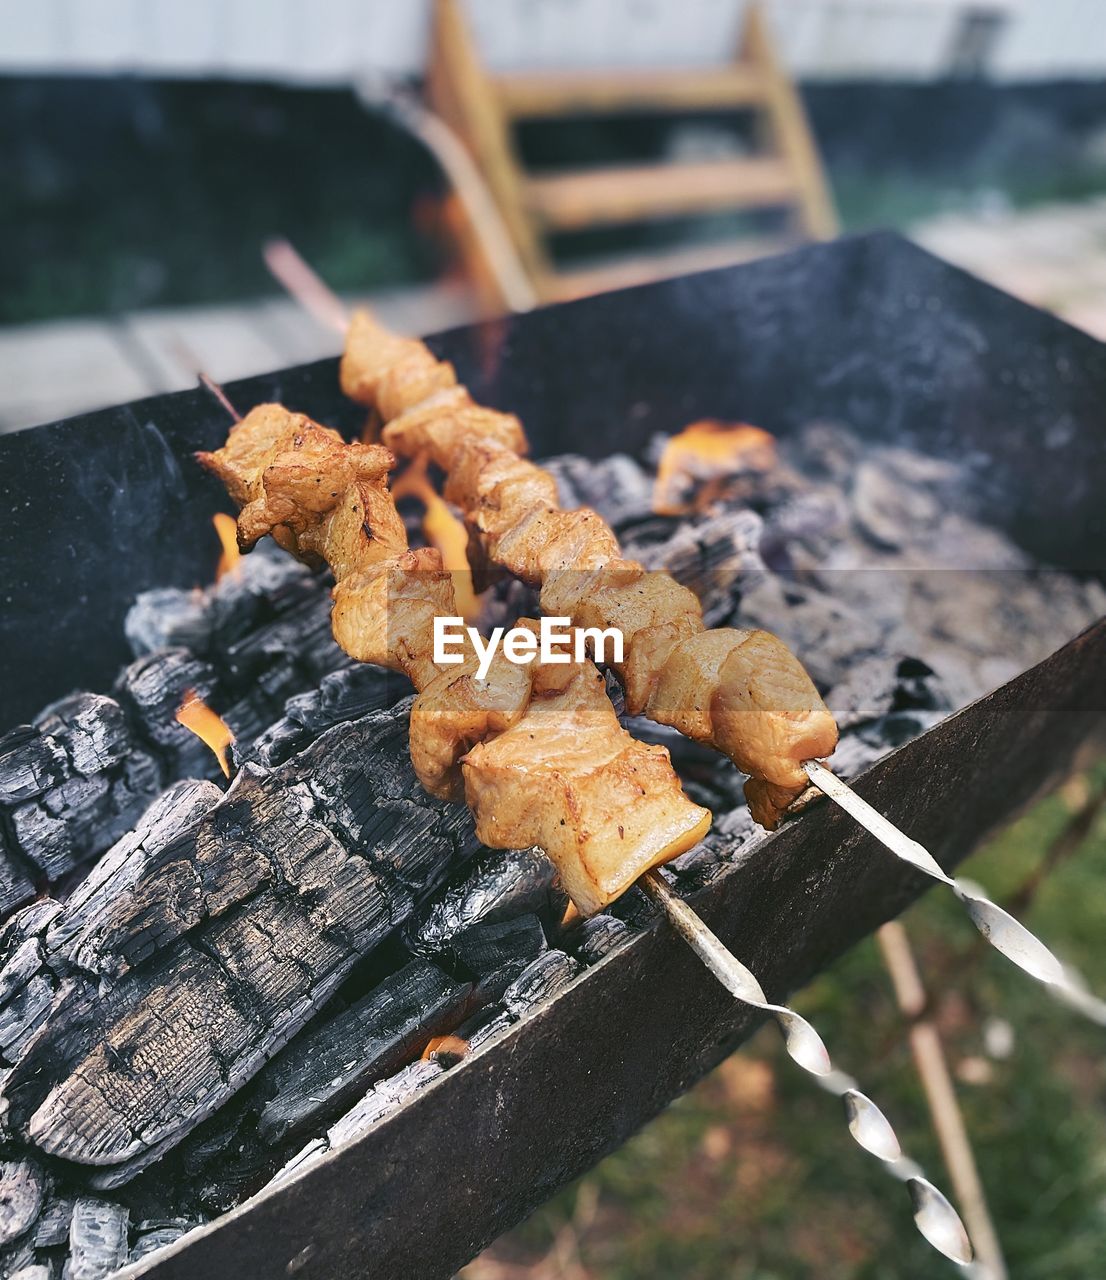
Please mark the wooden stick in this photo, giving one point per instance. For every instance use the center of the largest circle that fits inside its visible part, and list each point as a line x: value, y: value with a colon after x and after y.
x: 944, y: 1108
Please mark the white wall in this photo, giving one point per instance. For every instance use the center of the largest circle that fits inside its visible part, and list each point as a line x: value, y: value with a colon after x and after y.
x: 329, y: 41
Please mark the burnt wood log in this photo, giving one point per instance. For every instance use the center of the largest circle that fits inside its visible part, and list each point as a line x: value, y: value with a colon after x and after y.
x: 500, y: 887
x: 152, y: 1234
x: 52, y: 1226
x: 236, y: 918
x: 98, y: 1240
x: 22, y: 1187
x: 35, y: 1271
x: 544, y: 978
x: 344, y: 694
x: 323, y: 1070
x: 70, y: 785
x: 153, y: 688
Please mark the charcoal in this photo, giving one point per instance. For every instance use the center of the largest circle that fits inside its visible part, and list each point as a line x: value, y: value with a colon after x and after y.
x: 22, y: 1187
x: 617, y: 487
x: 886, y: 511
x: 867, y: 743
x: 82, y: 816
x: 168, y: 618
x: 498, y: 953
x: 17, y: 1258
x: 123, y: 911
x: 878, y: 685
x: 308, y: 1154
x: 494, y: 1023
x: 154, y: 1235
x: 546, y: 977
x: 31, y: 762
x: 498, y: 886
x: 825, y: 451
x: 326, y: 1068
x: 16, y: 883
x: 98, y: 1240
x: 264, y: 584
x: 829, y: 634
x: 52, y: 1226
x: 345, y: 694
x: 91, y: 729
x: 381, y: 1099
x: 24, y: 1013
x: 21, y: 963
x: 712, y: 557
x: 599, y: 936
x: 22, y: 949
x: 302, y: 632
x: 258, y: 914
x: 152, y: 689
x: 801, y: 532
x: 274, y: 745
x: 260, y: 706
x: 33, y: 1271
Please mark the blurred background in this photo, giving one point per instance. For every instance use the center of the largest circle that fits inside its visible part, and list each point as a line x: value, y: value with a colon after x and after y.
x: 148, y: 148
x: 461, y: 158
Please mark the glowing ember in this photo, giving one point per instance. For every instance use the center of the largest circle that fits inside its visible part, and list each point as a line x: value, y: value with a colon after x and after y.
x: 227, y: 529
x: 442, y: 530
x: 198, y: 717
x: 708, y: 451
x: 446, y: 1047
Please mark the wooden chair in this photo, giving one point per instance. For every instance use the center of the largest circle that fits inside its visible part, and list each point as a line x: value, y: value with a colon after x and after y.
x: 483, y: 109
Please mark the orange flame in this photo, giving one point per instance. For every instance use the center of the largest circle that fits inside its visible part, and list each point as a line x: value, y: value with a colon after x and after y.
x: 227, y: 529
x: 444, y: 531
x: 708, y: 450
x: 199, y: 718
x: 449, y: 1046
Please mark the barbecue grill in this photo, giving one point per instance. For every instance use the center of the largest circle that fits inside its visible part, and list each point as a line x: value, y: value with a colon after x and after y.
x: 871, y: 331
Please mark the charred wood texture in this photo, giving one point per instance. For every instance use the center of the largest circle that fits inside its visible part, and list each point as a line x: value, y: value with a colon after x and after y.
x: 22, y: 1185
x: 256, y: 646
x: 207, y: 938
x: 70, y: 785
x: 323, y: 1071
x: 499, y: 912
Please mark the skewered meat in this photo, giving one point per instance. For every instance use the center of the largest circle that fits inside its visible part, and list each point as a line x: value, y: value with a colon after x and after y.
x: 537, y: 751
x: 742, y: 692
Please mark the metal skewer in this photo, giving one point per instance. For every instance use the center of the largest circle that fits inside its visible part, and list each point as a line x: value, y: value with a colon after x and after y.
x: 934, y: 1216
x: 999, y: 927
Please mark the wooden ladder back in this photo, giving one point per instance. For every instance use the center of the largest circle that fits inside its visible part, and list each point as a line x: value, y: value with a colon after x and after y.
x: 484, y: 109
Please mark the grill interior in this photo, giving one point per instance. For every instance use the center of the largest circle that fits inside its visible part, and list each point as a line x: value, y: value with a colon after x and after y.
x: 870, y: 332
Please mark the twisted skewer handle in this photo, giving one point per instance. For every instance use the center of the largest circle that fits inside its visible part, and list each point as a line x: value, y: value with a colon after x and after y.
x: 934, y: 1216
x: 1000, y: 928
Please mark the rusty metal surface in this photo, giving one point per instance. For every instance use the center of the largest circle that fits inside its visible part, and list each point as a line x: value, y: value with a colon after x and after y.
x: 870, y: 331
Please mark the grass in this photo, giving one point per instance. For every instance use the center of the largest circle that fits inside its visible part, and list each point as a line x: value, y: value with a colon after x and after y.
x: 749, y: 1176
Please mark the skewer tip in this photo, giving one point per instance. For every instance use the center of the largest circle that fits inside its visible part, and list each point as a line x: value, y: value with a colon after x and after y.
x: 939, y: 1222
